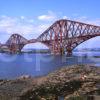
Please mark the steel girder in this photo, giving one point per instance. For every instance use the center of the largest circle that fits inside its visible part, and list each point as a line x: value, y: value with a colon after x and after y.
x: 16, y: 42
x: 62, y: 36
x: 67, y: 34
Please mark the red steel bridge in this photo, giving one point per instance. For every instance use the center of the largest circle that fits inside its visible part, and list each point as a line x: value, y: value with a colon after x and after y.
x: 62, y: 36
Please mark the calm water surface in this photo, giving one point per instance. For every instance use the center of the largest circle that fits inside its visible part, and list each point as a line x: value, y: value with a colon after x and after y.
x: 13, y: 66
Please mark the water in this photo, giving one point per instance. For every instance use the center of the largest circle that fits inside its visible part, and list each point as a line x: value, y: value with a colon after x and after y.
x: 13, y: 66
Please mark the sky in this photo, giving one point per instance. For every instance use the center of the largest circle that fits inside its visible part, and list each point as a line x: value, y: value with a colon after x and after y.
x: 32, y: 17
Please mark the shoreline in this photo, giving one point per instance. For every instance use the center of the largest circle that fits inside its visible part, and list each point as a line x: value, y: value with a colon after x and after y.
x: 75, y: 80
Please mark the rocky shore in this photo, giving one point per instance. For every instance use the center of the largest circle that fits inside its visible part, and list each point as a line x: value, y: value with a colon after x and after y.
x: 70, y: 82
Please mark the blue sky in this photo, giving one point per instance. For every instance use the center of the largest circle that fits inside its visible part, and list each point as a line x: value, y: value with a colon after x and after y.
x: 34, y: 8
x: 31, y: 17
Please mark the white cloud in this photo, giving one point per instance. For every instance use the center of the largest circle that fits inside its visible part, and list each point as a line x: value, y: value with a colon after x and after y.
x: 24, y: 26
x: 31, y: 28
x: 50, y: 16
x: 31, y: 21
x: 10, y: 25
x: 27, y: 27
x: 22, y: 17
x: 45, y: 17
x: 65, y: 17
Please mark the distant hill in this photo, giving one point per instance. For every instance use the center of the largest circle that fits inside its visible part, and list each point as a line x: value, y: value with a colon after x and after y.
x: 87, y: 49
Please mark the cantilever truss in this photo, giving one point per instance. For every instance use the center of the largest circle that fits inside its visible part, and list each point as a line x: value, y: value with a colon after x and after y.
x: 65, y: 35
x: 16, y: 42
x: 62, y: 36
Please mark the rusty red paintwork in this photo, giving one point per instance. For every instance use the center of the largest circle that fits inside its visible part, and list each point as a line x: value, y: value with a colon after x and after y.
x: 62, y: 36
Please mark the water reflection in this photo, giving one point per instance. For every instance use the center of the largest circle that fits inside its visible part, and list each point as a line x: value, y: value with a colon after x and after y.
x: 12, y: 66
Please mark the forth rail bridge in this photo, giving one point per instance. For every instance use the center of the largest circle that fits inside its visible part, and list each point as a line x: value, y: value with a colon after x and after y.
x: 62, y: 36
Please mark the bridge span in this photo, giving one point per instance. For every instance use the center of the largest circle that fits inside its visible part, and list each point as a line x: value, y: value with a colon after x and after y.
x: 62, y: 36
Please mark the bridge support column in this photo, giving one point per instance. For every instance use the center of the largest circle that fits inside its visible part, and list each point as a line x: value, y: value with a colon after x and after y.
x: 15, y: 48
x: 69, y: 52
x: 62, y: 51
